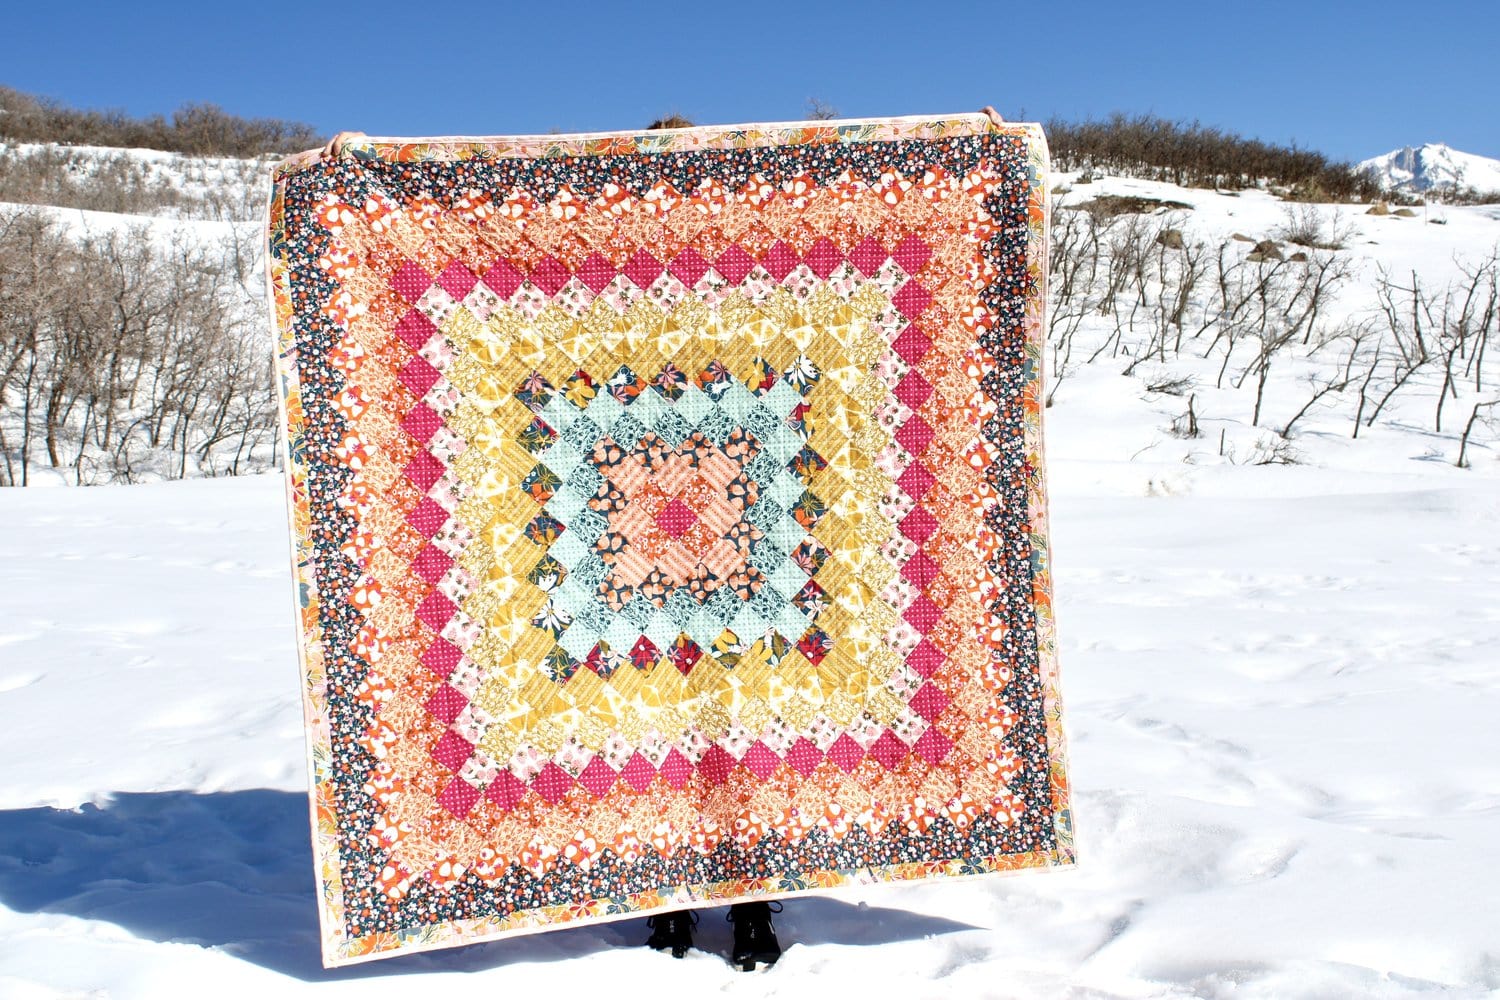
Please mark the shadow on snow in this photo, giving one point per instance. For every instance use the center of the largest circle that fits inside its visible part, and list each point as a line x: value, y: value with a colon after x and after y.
x: 234, y: 871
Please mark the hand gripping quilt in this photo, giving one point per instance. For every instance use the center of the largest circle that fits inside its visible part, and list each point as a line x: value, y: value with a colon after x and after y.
x: 668, y: 519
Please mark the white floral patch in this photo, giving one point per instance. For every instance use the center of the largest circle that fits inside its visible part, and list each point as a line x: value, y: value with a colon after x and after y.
x: 574, y: 298
x: 529, y: 300
x: 445, y: 445
x: 616, y: 751
x: 758, y: 285
x: 845, y: 280
x: 666, y: 291
x: 480, y: 770
x: 573, y: 756
x: 895, y: 504
x: 466, y: 677
x: 471, y: 723
x: 889, y: 278
x: 823, y: 732
x: 693, y: 744
x: 713, y: 288
x: 801, y: 281
x: 909, y: 725
x: 865, y: 730
x: 443, y: 398
x: 438, y: 352
x: 457, y: 584
x: 481, y: 302
x: 527, y: 762
x: 621, y: 293
x: 899, y: 593
x: 437, y: 305
x: 778, y: 736
x: 737, y: 740
x: 453, y: 538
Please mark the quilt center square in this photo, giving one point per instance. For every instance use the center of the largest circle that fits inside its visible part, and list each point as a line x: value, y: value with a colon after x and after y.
x: 678, y: 512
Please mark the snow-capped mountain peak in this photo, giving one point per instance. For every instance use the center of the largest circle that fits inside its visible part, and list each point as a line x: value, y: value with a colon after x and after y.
x: 1433, y: 167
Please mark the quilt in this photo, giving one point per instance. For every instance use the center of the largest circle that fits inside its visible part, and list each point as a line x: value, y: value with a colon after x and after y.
x: 668, y: 519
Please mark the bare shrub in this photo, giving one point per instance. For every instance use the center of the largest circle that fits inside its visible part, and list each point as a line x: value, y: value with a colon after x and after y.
x: 127, y: 357
x: 194, y: 128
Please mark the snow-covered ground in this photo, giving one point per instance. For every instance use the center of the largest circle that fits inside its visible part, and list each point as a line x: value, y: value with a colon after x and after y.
x: 1281, y: 687
x: 1281, y: 701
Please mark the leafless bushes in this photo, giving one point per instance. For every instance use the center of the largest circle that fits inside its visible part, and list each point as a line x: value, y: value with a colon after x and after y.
x: 1133, y: 287
x: 117, y: 181
x: 125, y: 355
x: 201, y: 129
x: 1200, y: 156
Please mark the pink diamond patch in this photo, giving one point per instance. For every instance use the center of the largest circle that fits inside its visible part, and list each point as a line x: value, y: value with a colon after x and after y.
x: 598, y: 778
x: 415, y: 330
x: 419, y: 376
x: 549, y: 275
x: 638, y: 773
x: 428, y: 517
x: 804, y: 756
x: 932, y: 746
x: 452, y: 751
x: 504, y: 278
x: 823, y: 256
x: 424, y: 470
x: 716, y: 765
x: 914, y: 435
x: 779, y: 260
x: 760, y: 761
x: 911, y: 299
x: 676, y: 518
x: 846, y: 753
x: 913, y: 390
x: 457, y: 280
x: 459, y: 797
x: 506, y: 791
x: 688, y: 267
x: 920, y: 569
x: 676, y: 769
x: 446, y: 703
x: 912, y: 344
x: 441, y: 657
x: 411, y: 282
x: 552, y: 783
x: 929, y: 701
x: 422, y: 422
x: 916, y: 480
x: 911, y: 253
x: 642, y: 268
x: 733, y: 264
x: 889, y: 750
x: 925, y: 658
x: 923, y: 614
x: 868, y: 256
x: 919, y: 525
x: 596, y: 272
x: 436, y: 611
x: 431, y: 563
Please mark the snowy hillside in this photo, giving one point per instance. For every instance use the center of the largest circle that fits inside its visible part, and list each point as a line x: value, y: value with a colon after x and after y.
x: 1433, y: 167
x: 1277, y: 654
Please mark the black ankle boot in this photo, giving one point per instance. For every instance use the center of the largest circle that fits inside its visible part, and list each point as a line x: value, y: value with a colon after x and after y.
x: 754, y: 938
x: 672, y: 930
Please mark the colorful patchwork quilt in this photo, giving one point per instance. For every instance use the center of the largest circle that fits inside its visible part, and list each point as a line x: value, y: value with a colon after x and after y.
x: 668, y: 519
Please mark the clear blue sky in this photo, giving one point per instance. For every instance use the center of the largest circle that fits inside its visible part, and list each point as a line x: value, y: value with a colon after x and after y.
x: 1351, y: 79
